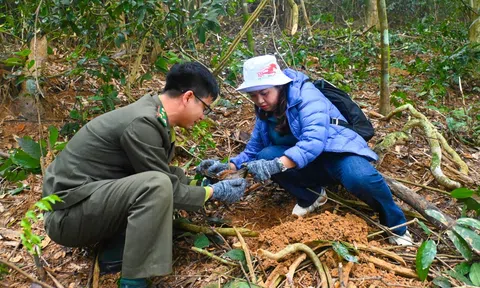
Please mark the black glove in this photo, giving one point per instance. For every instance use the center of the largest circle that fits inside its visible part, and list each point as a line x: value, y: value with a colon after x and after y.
x: 229, y: 191
x: 212, y: 167
x: 263, y: 169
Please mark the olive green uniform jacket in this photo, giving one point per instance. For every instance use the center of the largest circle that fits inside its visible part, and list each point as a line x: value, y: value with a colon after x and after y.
x: 113, y: 175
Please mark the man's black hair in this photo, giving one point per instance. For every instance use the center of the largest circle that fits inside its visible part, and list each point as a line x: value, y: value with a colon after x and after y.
x: 191, y: 76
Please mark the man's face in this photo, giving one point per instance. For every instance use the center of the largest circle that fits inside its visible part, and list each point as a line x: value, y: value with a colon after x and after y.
x: 194, y: 109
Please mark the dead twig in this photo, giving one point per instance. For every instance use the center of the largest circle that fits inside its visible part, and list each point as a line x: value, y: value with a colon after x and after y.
x: 392, y: 228
x: 423, y: 186
x: 247, y: 256
x: 4, y: 155
x: 402, y: 271
x: 31, y: 278
x: 59, y: 285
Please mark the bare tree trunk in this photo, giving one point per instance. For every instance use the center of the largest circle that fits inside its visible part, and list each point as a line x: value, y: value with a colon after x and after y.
x: 372, y: 14
x: 24, y: 105
x: 246, y: 15
x: 292, y: 17
x: 385, y: 54
x: 305, y: 17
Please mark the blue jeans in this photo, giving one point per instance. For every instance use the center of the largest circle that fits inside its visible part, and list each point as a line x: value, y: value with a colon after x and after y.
x: 354, y: 172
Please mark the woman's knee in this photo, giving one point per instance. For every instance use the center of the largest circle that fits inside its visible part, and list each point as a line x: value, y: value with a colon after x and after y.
x: 271, y: 152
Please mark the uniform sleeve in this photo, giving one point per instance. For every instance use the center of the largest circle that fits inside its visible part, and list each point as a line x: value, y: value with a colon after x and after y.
x: 254, y: 145
x: 143, y: 145
x: 314, y: 123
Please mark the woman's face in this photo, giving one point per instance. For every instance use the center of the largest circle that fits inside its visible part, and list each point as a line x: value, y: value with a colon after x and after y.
x: 266, y: 99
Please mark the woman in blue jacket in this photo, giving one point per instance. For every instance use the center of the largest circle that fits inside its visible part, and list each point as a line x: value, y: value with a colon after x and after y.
x: 295, y: 145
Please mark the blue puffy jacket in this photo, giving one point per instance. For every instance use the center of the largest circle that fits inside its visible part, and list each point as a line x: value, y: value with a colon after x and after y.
x: 308, y: 114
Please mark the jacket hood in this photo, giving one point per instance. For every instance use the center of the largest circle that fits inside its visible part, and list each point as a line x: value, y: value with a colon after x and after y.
x: 298, y: 78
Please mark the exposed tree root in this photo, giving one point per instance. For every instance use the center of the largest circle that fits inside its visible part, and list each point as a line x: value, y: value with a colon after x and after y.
x: 275, y: 277
x: 295, y: 248
x: 434, y: 138
x: 292, y: 269
x: 344, y: 276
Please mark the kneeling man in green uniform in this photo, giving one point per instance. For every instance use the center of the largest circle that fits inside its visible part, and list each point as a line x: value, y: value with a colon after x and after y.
x: 116, y: 183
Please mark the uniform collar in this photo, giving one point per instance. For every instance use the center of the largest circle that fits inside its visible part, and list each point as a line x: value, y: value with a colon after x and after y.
x: 161, y: 113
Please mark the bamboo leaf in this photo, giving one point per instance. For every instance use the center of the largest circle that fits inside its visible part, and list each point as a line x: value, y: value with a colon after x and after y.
x: 442, y: 282
x: 475, y: 274
x: 472, y: 238
x: 235, y: 254
x: 474, y: 223
x: 52, y: 136
x: 461, y: 193
x: 460, y: 244
x: 437, y: 215
x: 201, y: 241
x: 425, y: 255
x: 342, y: 250
x: 30, y: 147
x: 424, y: 227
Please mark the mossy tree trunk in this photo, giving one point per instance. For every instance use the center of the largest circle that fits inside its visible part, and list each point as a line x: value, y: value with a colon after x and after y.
x: 246, y: 15
x: 474, y: 31
x: 385, y: 56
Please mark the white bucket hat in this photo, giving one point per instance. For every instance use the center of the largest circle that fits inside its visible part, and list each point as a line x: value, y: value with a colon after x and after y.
x: 260, y: 73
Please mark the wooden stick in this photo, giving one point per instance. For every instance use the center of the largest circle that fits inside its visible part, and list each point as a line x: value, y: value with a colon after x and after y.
x: 14, y: 267
x: 391, y: 228
x: 209, y: 231
x: 383, y: 252
x: 213, y: 256
x: 423, y: 186
x: 96, y: 273
x: 59, y: 285
x: 402, y: 271
x: 247, y: 256
x: 418, y: 203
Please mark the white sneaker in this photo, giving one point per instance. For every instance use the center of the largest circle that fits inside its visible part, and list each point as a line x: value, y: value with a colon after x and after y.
x: 404, y: 240
x: 302, y: 211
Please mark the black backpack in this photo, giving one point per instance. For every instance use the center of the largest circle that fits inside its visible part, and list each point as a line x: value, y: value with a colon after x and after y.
x: 357, y: 121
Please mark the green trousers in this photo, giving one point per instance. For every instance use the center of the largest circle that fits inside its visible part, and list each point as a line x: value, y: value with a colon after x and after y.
x: 140, y: 204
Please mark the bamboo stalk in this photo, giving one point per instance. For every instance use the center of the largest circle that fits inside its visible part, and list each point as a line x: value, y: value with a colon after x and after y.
x: 213, y: 256
x: 211, y: 231
x: 247, y: 256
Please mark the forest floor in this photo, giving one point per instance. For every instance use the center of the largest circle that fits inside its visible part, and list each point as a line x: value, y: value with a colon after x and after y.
x: 266, y: 210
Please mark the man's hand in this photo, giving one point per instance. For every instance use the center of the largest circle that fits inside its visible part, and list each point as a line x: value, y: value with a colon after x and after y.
x: 229, y: 191
x: 263, y: 169
x: 212, y: 167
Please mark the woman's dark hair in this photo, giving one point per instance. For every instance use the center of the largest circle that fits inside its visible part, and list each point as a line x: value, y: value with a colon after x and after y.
x: 280, y: 111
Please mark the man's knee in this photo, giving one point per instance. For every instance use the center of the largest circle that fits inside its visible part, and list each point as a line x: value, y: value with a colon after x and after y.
x: 157, y: 185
